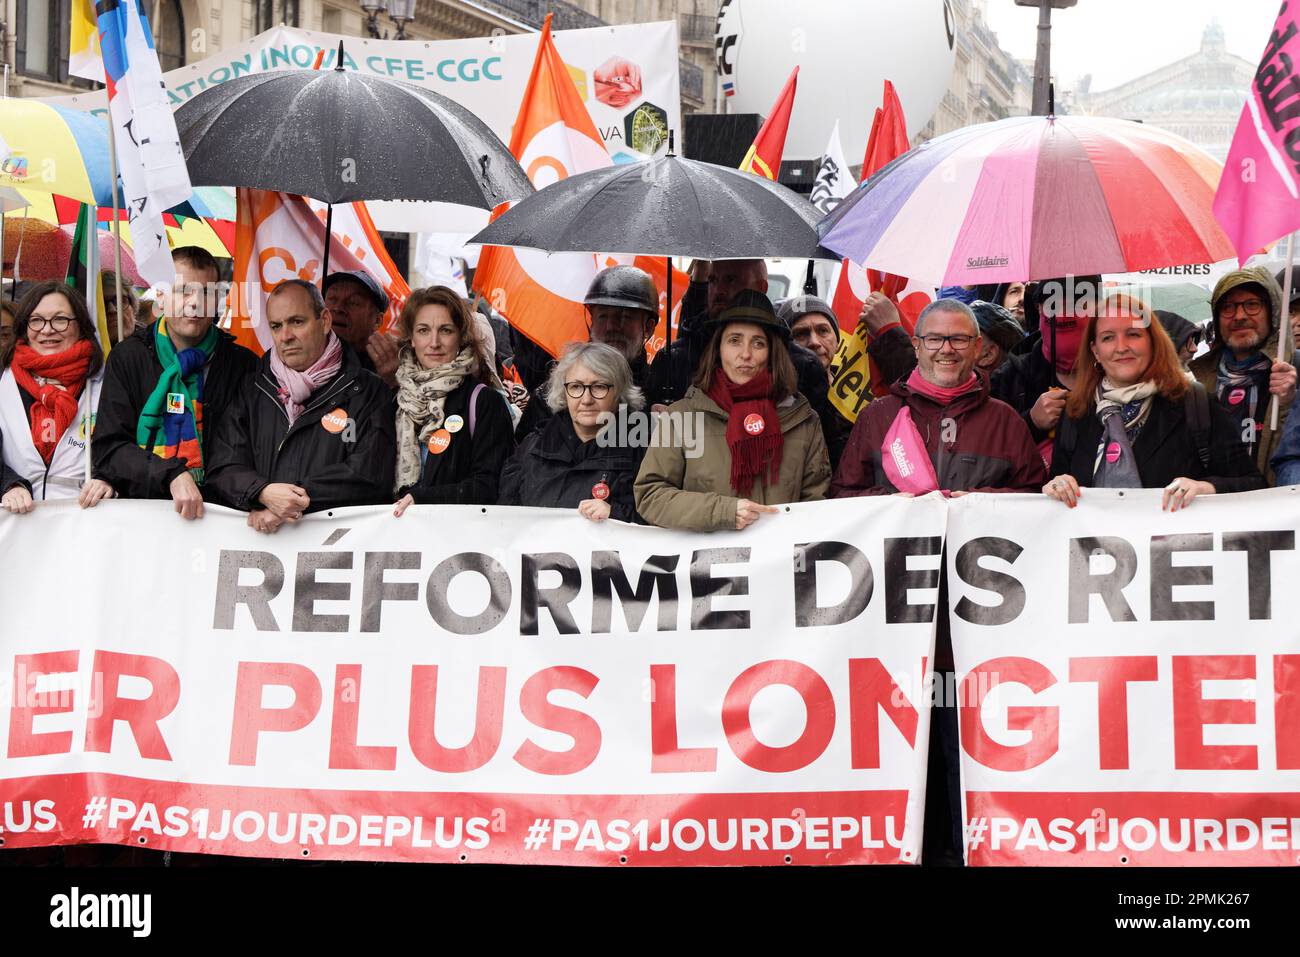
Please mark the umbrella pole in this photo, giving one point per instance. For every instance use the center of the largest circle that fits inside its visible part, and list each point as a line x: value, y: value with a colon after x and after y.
x: 1284, y: 344
x: 329, y: 228
x: 668, y: 322
x: 1052, y: 326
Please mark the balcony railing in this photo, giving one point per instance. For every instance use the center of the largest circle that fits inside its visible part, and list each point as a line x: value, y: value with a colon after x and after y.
x: 533, y: 12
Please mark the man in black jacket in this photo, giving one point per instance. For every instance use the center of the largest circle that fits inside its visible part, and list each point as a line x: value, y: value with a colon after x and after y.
x: 157, y: 458
x: 314, y: 430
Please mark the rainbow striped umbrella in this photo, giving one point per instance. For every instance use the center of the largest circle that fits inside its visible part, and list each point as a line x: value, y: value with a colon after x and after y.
x: 55, y: 150
x: 1034, y: 197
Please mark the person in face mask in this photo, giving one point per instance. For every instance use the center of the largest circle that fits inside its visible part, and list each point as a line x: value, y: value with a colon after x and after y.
x: 1036, y: 383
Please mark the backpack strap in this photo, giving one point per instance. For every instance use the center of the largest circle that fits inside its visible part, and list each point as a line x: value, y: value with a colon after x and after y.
x: 473, y: 407
x: 1196, y: 411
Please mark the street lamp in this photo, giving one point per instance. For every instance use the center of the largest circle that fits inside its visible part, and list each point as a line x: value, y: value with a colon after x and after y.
x: 401, y: 12
x: 1043, y: 60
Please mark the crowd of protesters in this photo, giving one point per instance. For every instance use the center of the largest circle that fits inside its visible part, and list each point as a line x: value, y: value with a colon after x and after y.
x: 1055, y: 386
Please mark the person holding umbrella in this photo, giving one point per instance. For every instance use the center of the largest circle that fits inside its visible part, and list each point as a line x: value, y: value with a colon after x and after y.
x: 48, y: 395
x: 312, y: 431
x: 565, y: 463
x: 762, y: 443
x: 1134, y: 421
x: 1036, y: 383
x: 454, y: 431
x: 1241, y: 368
x: 357, y: 303
x: 623, y: 310
x: 166, y: 390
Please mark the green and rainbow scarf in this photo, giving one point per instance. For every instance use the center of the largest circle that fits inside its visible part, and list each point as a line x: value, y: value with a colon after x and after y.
x: 171, y: 422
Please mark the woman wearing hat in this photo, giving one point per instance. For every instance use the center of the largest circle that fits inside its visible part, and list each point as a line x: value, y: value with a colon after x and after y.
x: 48, y: 396
x: 453, y: 428
x: 761, y: 443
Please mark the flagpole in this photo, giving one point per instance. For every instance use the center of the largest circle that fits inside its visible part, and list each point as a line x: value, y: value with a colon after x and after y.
x: 117, y: 233
x: 1284, y: 344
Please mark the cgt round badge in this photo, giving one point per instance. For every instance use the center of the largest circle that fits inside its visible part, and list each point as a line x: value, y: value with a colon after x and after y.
x: 754, y: 424
x: 600, y: 491
x: 1236, y: 395
x: 1112, y: 453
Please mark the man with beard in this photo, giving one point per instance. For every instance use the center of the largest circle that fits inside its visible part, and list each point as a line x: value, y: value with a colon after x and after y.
x: 1240, y: 367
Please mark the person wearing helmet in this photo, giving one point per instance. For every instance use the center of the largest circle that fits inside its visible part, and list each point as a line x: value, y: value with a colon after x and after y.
x: 622, y: 310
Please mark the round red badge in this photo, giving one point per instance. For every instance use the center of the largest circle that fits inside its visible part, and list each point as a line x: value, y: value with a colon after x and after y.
x: 439, y: 441
x: 754, y: 424
x: 600, y: 490
x: 1235, y: 396
x: 1112, y: 453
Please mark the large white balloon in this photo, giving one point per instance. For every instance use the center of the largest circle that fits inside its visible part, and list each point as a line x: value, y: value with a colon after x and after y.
x: 845, y: 50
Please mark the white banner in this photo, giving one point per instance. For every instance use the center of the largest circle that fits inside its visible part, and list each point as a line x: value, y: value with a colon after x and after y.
x: 470, y: 684
x: 1128, y: 679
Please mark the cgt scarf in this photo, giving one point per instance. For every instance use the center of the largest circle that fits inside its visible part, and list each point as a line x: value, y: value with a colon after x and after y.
x: 753, y: 428
x: 1123, y: 411
x: 41, y: 377
x: 296, y: 387
x: 421, y: 396
x: 171, y: 420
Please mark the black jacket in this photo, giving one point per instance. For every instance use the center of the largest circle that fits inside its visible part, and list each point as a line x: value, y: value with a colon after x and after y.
x: 1020, y: 381
x: 553, y: 468
x: 255, y: 445
x: 468, y: 471
x: 538, y: 412
x: 8, y: 477
x: 130, y: 375
x: 1164, y: 449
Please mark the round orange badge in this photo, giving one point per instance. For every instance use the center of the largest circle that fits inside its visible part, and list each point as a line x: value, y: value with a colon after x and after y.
x: 335, y: 421
x: 439, y: 441
x: 754, y: 424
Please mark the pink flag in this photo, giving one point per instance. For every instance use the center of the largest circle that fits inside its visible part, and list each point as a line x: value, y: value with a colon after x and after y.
x: 1259, y: 195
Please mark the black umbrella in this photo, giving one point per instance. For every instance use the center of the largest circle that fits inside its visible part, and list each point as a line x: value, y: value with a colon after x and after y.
x: 667, y: 206
x: 339, y: 136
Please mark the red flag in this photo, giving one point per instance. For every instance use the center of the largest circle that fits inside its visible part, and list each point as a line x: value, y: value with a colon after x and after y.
x: 764, y: 156
x: 887, y: 142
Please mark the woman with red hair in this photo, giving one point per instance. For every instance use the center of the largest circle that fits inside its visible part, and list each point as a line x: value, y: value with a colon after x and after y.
x: 1134, y: 418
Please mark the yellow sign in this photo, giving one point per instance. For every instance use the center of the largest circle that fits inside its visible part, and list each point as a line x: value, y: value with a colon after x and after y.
x: 850, y: 376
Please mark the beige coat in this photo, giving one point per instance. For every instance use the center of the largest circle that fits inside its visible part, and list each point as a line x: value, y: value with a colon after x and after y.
x: 694, y: 493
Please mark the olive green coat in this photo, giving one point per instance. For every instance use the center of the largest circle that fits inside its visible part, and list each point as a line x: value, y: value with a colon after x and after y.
x: 694, y: 493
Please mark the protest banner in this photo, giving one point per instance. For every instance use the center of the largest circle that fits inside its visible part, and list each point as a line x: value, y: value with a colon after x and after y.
x: 469, y: 684
x: 1128, y: 680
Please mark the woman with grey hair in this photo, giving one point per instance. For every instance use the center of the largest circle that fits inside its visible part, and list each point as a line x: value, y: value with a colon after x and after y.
x: 581, y: 457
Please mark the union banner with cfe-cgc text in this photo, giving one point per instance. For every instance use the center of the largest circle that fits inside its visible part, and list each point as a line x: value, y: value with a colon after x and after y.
x: 470, y: 684
x: 1128, y: 679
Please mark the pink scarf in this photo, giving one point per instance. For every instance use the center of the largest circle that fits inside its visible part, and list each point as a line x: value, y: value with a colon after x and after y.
x: 943, y: 396
x: 296, y: 387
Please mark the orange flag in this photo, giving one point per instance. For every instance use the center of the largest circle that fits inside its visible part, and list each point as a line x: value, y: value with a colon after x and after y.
x: 553, y: 138
x: 764, y: 156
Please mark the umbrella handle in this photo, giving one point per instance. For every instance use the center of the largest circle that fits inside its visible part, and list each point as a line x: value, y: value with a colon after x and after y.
x: 329, y: 228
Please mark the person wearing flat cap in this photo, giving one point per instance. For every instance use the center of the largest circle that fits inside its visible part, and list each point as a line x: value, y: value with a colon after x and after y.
x: 357, y: 303
x: 999, y: 334
x: 762, y: 443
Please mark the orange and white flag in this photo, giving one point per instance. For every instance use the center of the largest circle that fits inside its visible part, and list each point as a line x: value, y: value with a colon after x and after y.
x: 280, y: 236
x: 553, y: 138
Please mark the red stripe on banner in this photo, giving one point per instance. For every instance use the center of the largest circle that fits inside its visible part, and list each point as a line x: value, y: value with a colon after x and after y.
x: 838, y: 827
x: 1128, y: 828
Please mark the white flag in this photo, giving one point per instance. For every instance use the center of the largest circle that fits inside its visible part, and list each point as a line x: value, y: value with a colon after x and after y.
x: 834, y: 181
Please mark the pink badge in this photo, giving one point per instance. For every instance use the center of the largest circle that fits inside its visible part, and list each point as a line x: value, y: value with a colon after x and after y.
x: 1235, y: 396
x: 754, y: 424
x: 1112, y: 453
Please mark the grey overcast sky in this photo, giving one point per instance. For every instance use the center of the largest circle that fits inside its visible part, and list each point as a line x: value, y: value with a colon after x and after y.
x: 1119, y: 40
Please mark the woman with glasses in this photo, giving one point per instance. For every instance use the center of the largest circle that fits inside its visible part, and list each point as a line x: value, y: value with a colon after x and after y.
x: 453, y: 428
x: 48, y: 394
x: 1135, y: 421
x: 584, y: 456
x: 743, y: 440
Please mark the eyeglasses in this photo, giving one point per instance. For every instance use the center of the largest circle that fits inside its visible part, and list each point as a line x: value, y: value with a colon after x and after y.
x: 935, y: 343
x: 575, y: 390
x: 57, y: 323
x: 1253, y: 308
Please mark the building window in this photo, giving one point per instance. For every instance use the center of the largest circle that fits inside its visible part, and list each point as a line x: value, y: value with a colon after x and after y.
x: 272, y: 13
x: 42, y: 38
x: 169, y: 34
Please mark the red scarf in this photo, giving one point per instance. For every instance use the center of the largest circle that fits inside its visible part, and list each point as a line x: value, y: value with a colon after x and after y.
x: 749, y: 407
x: 918, y: 383
x: 54, y: 408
